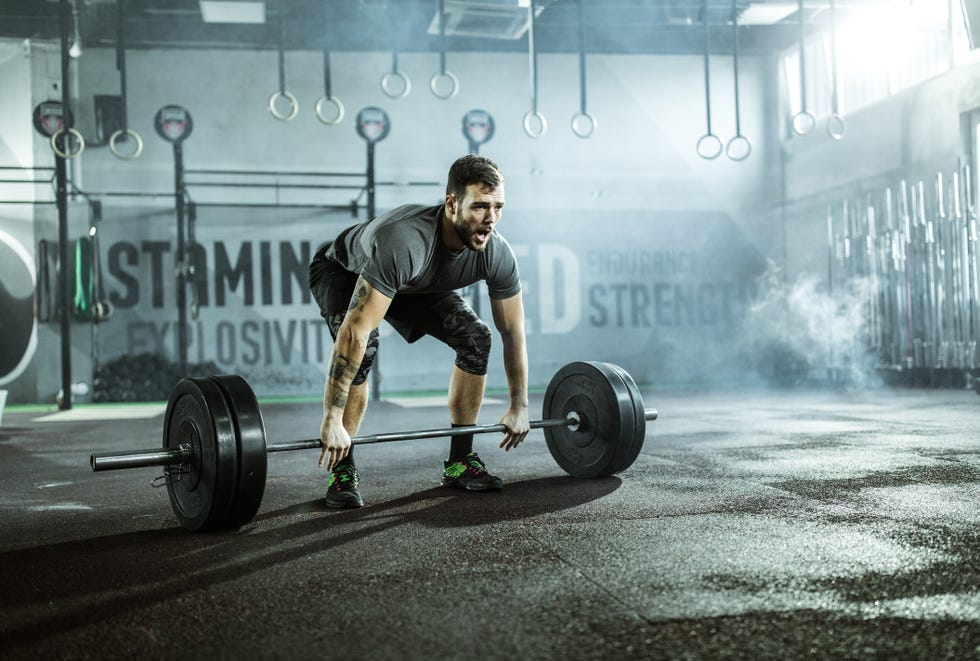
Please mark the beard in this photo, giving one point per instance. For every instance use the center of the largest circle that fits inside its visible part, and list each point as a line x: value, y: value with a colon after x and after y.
x: 470, y: 236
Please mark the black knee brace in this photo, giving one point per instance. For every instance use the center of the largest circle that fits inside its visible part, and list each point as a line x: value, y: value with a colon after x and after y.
x: 471, y: 342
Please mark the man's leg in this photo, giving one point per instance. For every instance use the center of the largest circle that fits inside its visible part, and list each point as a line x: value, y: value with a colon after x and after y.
x: 464, y: 469
x: 465, y: 399
x: 465, y: 396
x: 450, y: 319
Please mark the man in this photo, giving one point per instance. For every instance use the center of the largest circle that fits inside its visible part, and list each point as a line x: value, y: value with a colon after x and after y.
x: 405, y: 266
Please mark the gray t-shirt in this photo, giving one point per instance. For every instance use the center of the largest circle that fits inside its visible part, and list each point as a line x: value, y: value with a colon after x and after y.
x: 401, y: 252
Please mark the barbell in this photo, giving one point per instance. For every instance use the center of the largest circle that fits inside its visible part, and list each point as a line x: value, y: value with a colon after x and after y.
x: 215, y: 453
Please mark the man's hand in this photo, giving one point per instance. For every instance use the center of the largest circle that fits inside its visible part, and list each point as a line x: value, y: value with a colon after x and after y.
x: 335, y: 442
x: 518, y: 426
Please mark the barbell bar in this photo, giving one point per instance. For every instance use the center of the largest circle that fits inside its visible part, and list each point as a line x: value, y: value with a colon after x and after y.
x: 215, y: 450
x: 183, y: 453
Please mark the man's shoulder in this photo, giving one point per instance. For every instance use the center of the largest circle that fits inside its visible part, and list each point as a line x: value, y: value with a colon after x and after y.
x: 409, y: 227
x: 407, y: 213
x: 500, y: 245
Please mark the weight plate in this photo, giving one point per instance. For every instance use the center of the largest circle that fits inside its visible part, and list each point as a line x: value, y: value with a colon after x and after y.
x: 201, y: 492
x: 252, y: 454
x: 639, y: 412
x: 628, y: 431
x: 606, y: 409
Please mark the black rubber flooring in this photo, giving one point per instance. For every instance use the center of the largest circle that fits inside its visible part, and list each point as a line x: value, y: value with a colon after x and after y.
x: 752, y: 525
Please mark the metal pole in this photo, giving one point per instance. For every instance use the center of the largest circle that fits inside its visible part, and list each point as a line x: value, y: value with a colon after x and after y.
x: 180, y: 260
x: 61, y: 176
x: 376, y: 370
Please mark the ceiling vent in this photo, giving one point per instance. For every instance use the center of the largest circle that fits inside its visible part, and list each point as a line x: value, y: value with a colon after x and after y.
x: 493, y: 19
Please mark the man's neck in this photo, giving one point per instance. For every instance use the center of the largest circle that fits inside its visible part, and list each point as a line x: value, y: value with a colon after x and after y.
x: 450, y: 239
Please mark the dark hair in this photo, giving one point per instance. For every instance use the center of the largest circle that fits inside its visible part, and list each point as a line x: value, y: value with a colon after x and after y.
x: 472, y: 169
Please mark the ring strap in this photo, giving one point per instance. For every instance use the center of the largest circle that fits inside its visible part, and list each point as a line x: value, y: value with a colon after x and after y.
x: 326, y: 73
x: 802, y: 58
x: 707, y: 69
x: 581, y: 58
x: 121, y: 60
x: 442, y: 38
x: 282, y: 52
x: 532, y: 52
x: 738, y: 114
x: 833, y: 58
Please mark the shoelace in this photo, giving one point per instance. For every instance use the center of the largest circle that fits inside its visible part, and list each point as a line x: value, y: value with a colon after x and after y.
x: 473, y: 462
x: 345, y: 474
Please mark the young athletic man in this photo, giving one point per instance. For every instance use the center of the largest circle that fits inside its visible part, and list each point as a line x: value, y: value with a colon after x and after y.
x: 405, y: 267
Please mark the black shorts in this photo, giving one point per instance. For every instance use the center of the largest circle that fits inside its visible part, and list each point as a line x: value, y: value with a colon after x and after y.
x: 445, y: 316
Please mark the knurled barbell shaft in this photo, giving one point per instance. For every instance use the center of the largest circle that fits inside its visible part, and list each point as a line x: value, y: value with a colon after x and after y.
x: 144, y: 458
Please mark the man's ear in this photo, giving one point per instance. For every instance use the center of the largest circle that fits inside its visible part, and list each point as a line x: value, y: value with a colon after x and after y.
x: 451, y: 204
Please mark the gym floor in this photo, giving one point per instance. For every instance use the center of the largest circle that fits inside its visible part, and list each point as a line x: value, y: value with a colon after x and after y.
x: 758, y: 524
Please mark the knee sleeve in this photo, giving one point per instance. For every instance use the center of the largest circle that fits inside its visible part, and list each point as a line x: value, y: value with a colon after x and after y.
x: 471, y: 342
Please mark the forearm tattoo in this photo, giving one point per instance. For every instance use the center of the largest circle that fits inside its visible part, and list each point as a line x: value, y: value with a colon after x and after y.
x: 341, y: 372
x: 339, y: 401
x: 342, y: 367
x: 359, y: 299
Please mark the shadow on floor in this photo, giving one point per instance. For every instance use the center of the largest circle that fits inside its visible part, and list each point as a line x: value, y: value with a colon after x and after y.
x: 81, y: 583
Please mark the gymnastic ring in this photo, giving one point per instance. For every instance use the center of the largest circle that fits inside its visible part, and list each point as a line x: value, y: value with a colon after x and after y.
x: 709, y: 146
x: 336, y: 102
x: 434, y: 84
x: 62, y: 154
x: 532, y: 115
x: 738, y: 148
x: 386, y: 85
x: 130, y: 132
x: 803, y: 122
x: 588, y: 129
x: 289, y: 97
x: 102, y: 311
x: 835, y: 127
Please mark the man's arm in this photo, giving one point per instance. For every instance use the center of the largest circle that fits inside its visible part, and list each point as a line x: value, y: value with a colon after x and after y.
x: 508, y: 317
x: 367, y: 308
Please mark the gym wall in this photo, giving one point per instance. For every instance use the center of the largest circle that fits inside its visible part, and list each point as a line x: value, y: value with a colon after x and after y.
x: 633, y: 249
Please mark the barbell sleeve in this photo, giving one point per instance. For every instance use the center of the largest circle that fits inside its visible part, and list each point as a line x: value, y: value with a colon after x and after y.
x: 107, y: 461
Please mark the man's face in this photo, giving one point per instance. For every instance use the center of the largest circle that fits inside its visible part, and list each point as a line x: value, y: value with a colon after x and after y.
x: 477, y: 214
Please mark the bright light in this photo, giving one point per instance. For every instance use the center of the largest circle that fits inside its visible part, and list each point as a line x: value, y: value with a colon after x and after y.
x: 873, y: 38
x: 75, y: 50
x: 766, y: 13
x: 227, y: 11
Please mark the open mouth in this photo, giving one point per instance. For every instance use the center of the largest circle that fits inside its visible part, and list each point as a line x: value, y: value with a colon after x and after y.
x: 483, y: 234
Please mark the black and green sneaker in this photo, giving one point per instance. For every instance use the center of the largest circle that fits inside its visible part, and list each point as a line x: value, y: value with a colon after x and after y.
x: 342, y: 490
x: 471, y: 474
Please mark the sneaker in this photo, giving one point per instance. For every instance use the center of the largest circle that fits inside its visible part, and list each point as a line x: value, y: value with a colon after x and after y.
x: 471, y: 474
x: 342, y: 490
